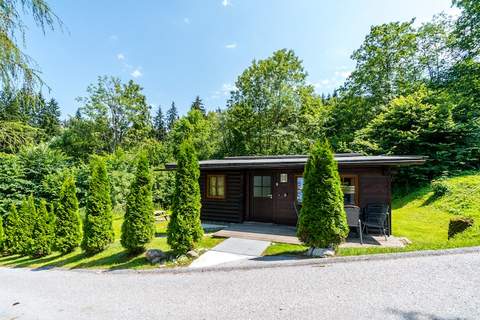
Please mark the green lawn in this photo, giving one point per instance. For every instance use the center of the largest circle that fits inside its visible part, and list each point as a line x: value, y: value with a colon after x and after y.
x: 423, y: 219
x: 114, y: 257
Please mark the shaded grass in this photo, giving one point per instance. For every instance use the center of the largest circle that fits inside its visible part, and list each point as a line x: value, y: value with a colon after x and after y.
x: 112, y: 258
x: 423, y: 219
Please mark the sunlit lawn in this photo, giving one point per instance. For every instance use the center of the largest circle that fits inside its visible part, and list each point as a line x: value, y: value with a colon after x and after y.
x: 114, y: 257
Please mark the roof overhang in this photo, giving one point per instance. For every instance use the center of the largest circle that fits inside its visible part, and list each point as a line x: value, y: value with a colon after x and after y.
x: 299, y: 161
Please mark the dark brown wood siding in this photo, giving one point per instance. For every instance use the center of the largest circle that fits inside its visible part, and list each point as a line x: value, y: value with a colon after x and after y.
x: 229, y: 209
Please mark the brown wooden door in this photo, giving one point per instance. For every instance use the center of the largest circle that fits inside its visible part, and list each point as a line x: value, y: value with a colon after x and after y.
x: 283, y: 195
x: 262, y: 197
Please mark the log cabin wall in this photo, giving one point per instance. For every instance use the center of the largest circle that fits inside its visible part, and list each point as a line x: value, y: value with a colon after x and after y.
x: 229, y: 209
x: 373, y: 185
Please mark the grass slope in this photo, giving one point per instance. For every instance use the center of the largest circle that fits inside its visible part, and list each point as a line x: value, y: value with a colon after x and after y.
x: 423, y: 218
x: 114, y: 257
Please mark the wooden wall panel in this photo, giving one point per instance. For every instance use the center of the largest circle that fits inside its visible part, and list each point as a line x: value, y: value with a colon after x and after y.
x: 230, y: 209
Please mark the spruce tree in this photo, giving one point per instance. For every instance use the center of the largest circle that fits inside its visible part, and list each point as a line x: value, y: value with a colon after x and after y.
x: 185, y: 229
x: 68, y: 232
x: 13, y: 231
x: 322, y: 221
x: 28, y: 215
x: 172, y: 116
x: 159, y: 126
x: 138, y: 227
x: 198, y: 105
x: 48, y: 118
x: 2, y: 237
x: 98, y: 229
x: 43, y: 233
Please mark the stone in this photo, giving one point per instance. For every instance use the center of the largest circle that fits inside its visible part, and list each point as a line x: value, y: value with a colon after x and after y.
x: 192, y: 254
x: 320, y: 252
x: 182, y: 259
x: 154, y: 255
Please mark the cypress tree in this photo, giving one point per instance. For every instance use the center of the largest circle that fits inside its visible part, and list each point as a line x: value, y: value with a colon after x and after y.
x: 13, y: 231
x: 184, y: 228
x: 28, y: 215
x: 43, y: 233
x: 2, y: 236
x: 98, y: 229
x: 322, y: 222
x: 68, y: 232
x: 138, y: 227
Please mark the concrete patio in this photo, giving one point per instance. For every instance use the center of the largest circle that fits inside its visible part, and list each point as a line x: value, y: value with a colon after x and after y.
x: 287, y: 234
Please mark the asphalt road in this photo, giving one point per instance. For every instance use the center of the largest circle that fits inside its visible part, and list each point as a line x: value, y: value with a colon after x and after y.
x: 438, y: 287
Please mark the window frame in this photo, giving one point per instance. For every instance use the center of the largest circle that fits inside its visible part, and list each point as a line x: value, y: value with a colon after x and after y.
x: 355, y: 184
x: 295, y: 177
x: 207, y: 190
x: 263, y: 187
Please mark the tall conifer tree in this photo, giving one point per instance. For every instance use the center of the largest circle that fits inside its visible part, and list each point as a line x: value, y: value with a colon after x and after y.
x: 322, y: 222
x: 98, y: 229
x: 68, y: 232
x: 185, y: 229
x: 138, y: 228
x: 172, y: 116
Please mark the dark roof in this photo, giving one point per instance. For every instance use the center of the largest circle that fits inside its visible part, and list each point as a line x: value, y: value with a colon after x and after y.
x: 298, y: 161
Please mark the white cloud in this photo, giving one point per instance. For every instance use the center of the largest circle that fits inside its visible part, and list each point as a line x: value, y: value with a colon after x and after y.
x: 136, y: 73
x: 342, y: 74
x: 113, y: 37
x: 120, y: 56
x: 231, y: 45
x: 226, y: 3
x: 227, y: 87
x: 332, y: 83
x: 186, y: 20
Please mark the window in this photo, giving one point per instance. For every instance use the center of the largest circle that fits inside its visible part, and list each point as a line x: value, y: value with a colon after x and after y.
x: 283, y: 177
x: 299, y: 188
x: 262, y: 187
x: 349, y: 189
x: 216, y: 186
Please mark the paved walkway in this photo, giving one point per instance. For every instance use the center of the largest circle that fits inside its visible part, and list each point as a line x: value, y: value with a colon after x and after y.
x: 287, y: 234
x: 420, y: 288
x: 231, y: 250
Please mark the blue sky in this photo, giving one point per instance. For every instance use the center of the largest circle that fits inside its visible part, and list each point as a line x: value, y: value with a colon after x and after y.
x: 179, y: 49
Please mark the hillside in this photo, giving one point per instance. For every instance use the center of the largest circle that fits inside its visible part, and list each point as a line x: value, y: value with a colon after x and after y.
x: 423, y: 217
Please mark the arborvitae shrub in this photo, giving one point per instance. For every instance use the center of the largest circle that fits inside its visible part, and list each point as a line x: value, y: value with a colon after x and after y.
x: 138, y: 227
x: 322, y: 222
x: 13, y: 231
x: 43, y: 233
x: 98, y: 229
x: 68, y: 232
x: 184, y: 228
x: 2, y: 236
x: 28, y: 215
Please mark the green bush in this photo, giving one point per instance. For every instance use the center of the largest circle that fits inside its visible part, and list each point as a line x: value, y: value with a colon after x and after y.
x: 68, y: 232
x: 98, y: 229
x: 138, y: 227
x: 28, y: 215
x: 13, y: 231
x: 458, y: 225
x: 184, y: 228
x: 2, y: 236
x: 43, y: 233
x: 322, y: 221
x: 440, y: 188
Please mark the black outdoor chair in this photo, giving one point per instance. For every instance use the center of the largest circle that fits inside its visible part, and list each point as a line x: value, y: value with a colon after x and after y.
x: 353, y: 220
x: 375, y: 216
